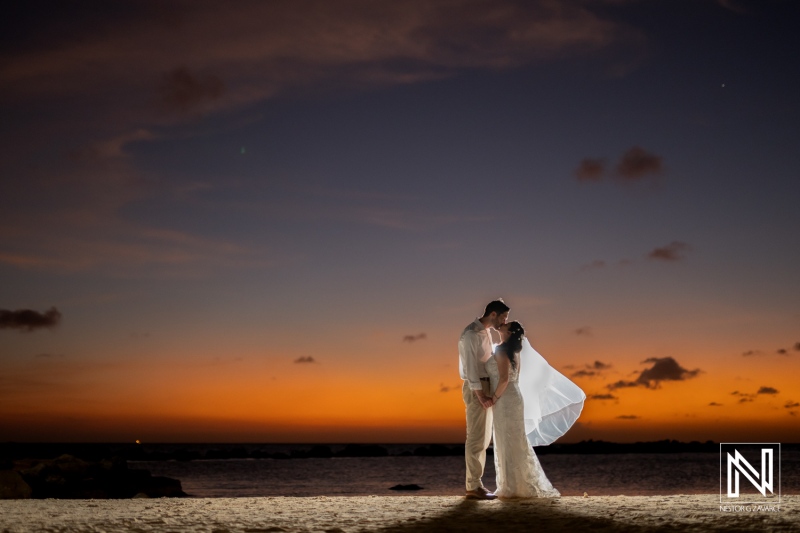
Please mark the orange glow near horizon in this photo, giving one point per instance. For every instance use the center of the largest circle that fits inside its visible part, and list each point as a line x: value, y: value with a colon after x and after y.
x: 348, y: 398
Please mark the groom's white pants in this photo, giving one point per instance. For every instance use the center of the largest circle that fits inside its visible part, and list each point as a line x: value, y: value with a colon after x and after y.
x: 479, y: 434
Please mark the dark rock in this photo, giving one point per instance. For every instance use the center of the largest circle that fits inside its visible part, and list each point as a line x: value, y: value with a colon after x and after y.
x: 13, y: 487
x: 413, y: 486
x: 163, y: 487
x: 71, y: 477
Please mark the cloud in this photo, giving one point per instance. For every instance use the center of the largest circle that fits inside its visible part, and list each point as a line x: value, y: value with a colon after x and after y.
x: 594, y: 265
x: 790, y: 404
x: 592, y: 369
x: 447, y: 388
x: 415, y: 338
x: 664, y: 369
x: 305, y: 359
x: 591, y: 169
x: 748, y: 397
x: 603, y: 397
x: 715, y: 404
x: 779, y: 351
x: 100, y: 79
x: 628, y: 417
x: 733, y: 5
x: 584, y: 331
x: 263, y: 49
x: 674, y: 251
x: 637, y: 163
x: 182, y: 91
x: 634, y: 165
x: 28, y: 320
x: 621, y: 384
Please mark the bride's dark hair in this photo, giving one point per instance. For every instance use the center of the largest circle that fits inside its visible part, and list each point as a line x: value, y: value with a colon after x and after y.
x: 514, y: 343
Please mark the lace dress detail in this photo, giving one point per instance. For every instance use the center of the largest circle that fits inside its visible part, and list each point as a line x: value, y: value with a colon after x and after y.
x: 519, y: 473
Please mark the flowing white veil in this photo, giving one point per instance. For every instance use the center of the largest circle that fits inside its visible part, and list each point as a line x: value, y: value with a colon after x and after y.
x: 552, y: 403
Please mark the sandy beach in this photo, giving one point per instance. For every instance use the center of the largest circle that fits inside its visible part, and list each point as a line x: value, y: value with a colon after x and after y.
x: 393, y: 514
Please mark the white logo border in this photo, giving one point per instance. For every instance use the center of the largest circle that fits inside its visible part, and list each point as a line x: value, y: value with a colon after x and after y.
x: 768, y: 500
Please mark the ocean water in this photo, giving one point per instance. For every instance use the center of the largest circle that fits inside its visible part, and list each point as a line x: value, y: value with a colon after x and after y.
x: 572, y: 474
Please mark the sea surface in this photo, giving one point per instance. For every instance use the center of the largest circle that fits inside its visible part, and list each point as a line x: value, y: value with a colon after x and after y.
x: 631, y: 474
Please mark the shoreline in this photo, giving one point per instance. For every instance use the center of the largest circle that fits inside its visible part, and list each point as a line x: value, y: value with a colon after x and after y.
x: 396, y: 514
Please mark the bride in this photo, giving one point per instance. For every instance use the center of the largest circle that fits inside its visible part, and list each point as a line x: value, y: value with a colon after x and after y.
x: 533, y: 405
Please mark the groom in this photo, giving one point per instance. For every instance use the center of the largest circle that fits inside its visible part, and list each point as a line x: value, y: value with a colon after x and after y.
x: 474, y: 349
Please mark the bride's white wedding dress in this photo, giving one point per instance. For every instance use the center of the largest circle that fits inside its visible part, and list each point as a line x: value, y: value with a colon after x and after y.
x: 538, y: 406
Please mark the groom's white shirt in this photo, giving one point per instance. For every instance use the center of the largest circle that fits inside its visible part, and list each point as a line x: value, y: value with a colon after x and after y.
x: 473, y: 344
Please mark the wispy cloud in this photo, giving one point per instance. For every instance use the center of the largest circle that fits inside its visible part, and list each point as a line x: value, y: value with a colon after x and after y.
x: 583, y: 331
x: 674, y: 251
x: 779, y: 351
x: 415, y: 338
x: 593, y: 369
x: 622, y: 384
x: 628, y: 417
x: 603, y: 397
x: 634, y: 165
x: 29, y: 320
x: 262, y: 49
x: 638, y: 163
x: 591, y: 169
x: 181, y: 90
x: 305, y: 359
x: 767, y: 390
x: 733, y: 5
x: 597, y: 264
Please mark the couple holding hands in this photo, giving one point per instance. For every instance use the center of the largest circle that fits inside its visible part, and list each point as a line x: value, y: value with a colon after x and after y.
x: 514, y: 396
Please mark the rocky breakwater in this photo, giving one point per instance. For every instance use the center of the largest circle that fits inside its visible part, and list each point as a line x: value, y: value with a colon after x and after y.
x: 70, y: 477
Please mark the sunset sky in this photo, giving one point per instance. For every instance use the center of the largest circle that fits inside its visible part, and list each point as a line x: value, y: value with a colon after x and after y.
x: 270, y: 221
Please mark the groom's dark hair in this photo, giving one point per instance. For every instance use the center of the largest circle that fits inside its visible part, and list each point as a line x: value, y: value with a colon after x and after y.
x: 497, y: 306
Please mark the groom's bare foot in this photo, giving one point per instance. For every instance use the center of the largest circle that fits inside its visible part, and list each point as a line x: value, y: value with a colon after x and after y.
x: 480, y: 494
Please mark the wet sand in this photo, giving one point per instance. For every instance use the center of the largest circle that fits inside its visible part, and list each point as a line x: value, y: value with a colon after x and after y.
x: 399, y: 514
